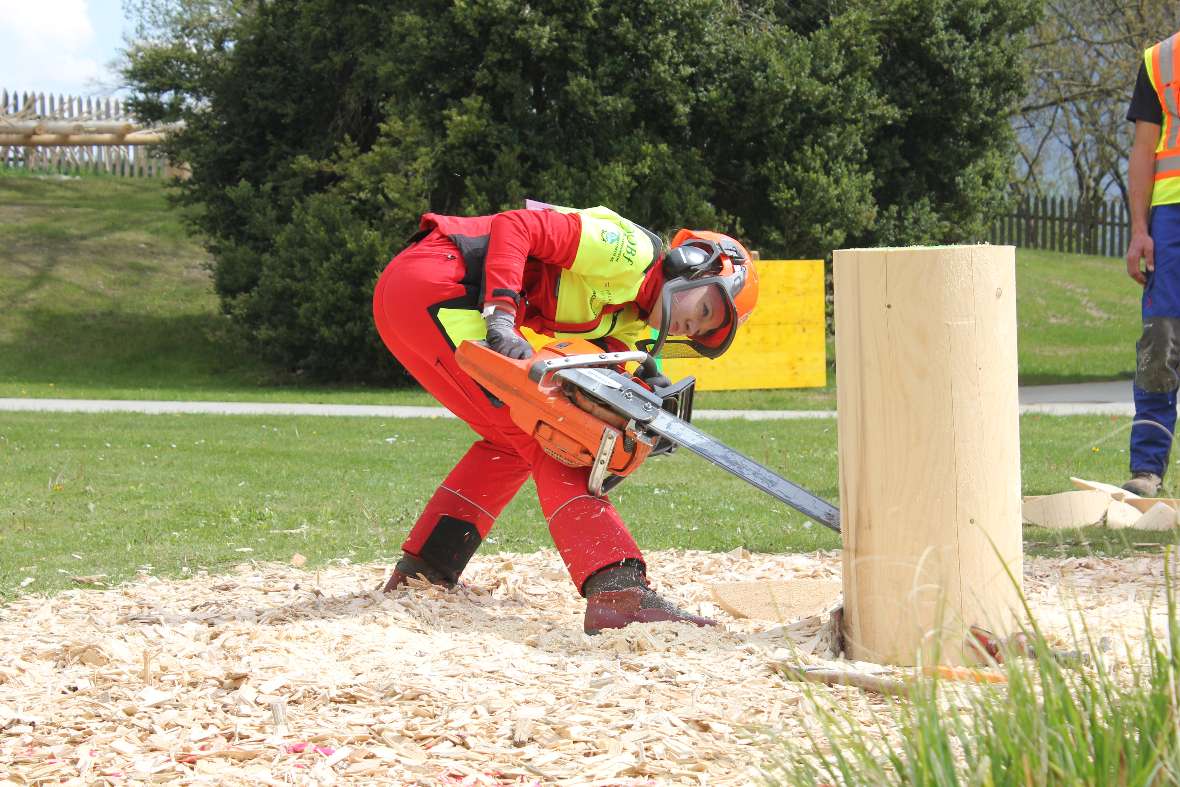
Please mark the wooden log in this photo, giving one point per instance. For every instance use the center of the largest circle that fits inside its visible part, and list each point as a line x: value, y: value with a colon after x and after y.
x: 1120, y: 515
x: 50, y: 140
x: 1160, y: 516
x: 1066, y: 509
x: 928, y: 448
x: 65, y: 126
x: 1116, y: 492
x: 880, y: 684
x: 1145, y: 504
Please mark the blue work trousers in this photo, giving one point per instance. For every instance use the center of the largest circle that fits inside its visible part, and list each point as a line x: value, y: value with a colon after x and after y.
x: 1151, y: 445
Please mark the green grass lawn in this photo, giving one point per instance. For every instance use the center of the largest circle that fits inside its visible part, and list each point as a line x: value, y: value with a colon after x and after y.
x: 1079, y: 317
x: 107, y: 494
x: 104, y: 295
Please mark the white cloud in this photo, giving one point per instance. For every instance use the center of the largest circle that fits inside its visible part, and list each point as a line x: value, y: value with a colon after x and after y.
x: 47, y: 45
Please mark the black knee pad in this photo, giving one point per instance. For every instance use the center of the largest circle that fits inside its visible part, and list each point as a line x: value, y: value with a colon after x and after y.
x: 450, y: 546
x: 1158, y: 355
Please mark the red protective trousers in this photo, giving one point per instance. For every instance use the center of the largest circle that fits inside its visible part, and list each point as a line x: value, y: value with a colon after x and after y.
x: 588, y: 531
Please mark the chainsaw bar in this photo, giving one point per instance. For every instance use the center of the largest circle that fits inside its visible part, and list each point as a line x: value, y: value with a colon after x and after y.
x: 629, y: 399
x: 745, y: 468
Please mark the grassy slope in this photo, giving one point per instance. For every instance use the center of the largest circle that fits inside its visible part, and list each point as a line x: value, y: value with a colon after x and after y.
x: 104, y: 295
x: 1079, y: 318
x: 106, y: 494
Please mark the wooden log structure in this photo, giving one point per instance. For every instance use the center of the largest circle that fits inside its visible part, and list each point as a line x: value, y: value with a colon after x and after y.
x: 47, y: 132
x: 72, y: 134
x: 929, y: 449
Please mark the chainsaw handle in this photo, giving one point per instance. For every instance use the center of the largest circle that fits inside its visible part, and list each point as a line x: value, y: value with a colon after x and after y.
x: 543, y: 368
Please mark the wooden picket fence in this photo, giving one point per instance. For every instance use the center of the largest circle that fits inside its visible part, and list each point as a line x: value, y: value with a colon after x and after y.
x: 1065, y: 224
x: 136, y: 160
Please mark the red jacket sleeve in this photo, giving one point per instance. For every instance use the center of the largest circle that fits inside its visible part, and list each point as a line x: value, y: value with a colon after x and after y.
x: 517, y: 235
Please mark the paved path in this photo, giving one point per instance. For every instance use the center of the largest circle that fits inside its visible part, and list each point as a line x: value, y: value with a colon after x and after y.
x: 1113, y: 398
x: 1108, y: 398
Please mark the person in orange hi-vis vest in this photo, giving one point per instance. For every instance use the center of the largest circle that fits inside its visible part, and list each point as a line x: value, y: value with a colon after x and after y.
x: 563, y: 273
x: 1153, y: 260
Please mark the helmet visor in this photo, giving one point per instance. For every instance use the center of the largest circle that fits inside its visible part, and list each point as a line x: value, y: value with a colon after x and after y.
x: 697, y: 317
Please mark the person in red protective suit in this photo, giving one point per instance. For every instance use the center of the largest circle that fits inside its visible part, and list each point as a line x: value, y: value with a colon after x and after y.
x: 563, y: 273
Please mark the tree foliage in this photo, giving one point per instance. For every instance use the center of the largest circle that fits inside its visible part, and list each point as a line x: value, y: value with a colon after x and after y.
x: 318, y: 132
x: 1084, y: 56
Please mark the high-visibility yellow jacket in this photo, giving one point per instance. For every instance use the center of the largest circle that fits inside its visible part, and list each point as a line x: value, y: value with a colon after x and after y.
x: 1163, y: 68
x: 587, y: 273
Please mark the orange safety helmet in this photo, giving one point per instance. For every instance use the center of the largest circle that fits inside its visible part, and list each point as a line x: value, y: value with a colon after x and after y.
x: 701, y: 258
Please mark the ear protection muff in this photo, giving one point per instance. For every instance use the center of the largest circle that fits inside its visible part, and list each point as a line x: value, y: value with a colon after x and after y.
x: 692, y: 260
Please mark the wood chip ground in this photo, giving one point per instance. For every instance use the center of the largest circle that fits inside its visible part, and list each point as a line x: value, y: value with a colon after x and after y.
x: 277, y: 675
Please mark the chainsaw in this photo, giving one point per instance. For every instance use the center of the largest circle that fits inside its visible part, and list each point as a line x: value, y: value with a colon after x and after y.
x: 586, y: 410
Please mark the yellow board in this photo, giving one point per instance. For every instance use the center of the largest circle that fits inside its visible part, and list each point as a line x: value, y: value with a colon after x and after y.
x: 781, y: 345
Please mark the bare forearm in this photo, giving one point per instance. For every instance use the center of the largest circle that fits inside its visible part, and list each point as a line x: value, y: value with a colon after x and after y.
x: 1141, y: 174
x: 1140, y: 182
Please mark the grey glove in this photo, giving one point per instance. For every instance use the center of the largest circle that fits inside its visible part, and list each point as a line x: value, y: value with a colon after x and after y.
x: 657, y: 380
x: 503, y: 337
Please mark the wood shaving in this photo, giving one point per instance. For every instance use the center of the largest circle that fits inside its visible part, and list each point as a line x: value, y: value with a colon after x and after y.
x: 275, y: 675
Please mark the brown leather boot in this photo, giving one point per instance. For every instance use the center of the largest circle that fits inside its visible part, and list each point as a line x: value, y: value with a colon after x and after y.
x: 1144, y: 483
x: 617, y: 596
x: 414, y: 566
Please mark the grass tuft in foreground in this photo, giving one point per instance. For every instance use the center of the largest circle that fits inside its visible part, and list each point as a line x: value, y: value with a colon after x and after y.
x: 1060, y: 720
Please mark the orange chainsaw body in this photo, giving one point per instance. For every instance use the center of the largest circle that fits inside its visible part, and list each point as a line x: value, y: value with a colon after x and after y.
x: 575, y: 434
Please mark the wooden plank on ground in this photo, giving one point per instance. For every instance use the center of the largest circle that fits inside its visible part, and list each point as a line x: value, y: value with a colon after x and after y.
x: 1116, y: 492
x: 1145, y: 504
x: 1067, y: 509
x: 1159, y: 517
x: 783, y: 601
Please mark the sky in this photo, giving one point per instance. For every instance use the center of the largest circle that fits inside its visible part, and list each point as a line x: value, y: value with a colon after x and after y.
x: 60, y: 46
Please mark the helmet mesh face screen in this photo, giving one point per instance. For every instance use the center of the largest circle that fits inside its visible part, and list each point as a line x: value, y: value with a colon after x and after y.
x: 701, y: 344
x: 679, y: 348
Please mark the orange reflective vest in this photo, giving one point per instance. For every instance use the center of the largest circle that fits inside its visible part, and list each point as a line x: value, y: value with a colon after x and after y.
x: 1163, y: 68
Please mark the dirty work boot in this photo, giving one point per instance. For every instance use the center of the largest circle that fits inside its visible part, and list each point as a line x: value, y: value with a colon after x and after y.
x: 414, y: 566
x: 1144, y: 483
x: 619, y: 595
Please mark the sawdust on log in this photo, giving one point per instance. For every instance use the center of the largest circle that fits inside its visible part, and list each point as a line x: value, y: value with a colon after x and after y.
x: 273, y: 674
